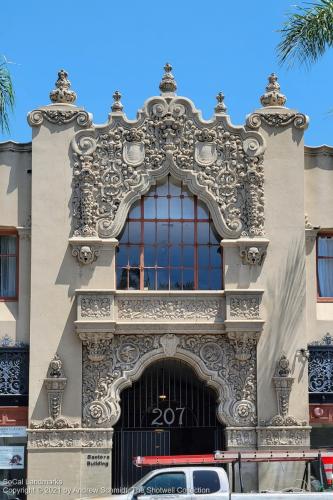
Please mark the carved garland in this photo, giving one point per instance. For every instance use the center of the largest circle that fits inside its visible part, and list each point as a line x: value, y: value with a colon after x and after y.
x: 229, y: 366
x: 116, y: 164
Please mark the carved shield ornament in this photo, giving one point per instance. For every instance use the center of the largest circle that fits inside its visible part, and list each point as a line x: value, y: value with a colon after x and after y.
x: 205, y: 153
x: 134, y: 153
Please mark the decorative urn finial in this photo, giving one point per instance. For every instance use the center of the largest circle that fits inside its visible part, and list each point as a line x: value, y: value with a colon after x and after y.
x: 168, y: 83
x: 117, y: 106
x: 272, y: 96
x: 62, y: 94
x: 220, y: 107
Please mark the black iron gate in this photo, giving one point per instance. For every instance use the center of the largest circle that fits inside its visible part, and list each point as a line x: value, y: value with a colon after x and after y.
x: 168, y: 411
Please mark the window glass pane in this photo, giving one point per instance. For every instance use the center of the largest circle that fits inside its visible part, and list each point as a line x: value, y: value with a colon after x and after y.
x: 188, y: 255
x: 122, y: 279
x: 188, y: 208
x: 135, y: 211
x: 149, y: 279
x: 214, y: 237
x: 149, y: 208
x: 203, y: 232
x: 175, y: 255
x: 325, y: 277
x: 188, y: 279
x: 188, y: 232
x: 176, y: 279
x: 134, y: 232
x: 325, y: 246
x: 215, y: 256
x: 162, y: 233
x: 175, y: 232
x: 122, y: 255
x: 134, y: 279
x: 215, y: 279
x: 7, y: 245
x: 149, y: 232
x: 162, y: 256
x: 134, y: 256
x: 163, y: 279
x: 205, y: 482
x: 123, y: 237
x: 202, y: 210
x: 203, y: 279
x: 162, y: 187
x: 174, y: 187
x: 162, y: 208
x: 203, y: 256
x: 149, y: 256
x: 8, y: 276
x: 175, y: 208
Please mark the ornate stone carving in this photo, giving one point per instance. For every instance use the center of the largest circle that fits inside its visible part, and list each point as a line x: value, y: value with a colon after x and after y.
x: 215, y: 359
x: 168, y: 84
x: 95, y: 306
x: 166, y: 309
x: 96, y: 349
x: 85, y: 254
x: 220, y: 107
x: 283, y: 383
x: 244, y: 307
x: 273, y: 96
x: 116, y: 106
x: 252, y: 255
x: 59, y: 117
x: 241, y: 438
x: 55, y: 383
x: 70, y: 438
x: 63, y: 94
x: 243, y: 344
x: 277, y: 120
x: 327, y: 340
x: 111, y: 171
x: 283, y: 436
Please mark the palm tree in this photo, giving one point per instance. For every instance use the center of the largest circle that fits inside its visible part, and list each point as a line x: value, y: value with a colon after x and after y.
x: 7, y: 97
x: 307, y: 33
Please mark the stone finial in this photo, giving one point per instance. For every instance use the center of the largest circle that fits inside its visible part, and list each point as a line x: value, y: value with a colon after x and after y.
x: 62, y: 94
x: 272, y: 96
x: 168, y: 83
x: 220, y: 107
x: 117, y: 106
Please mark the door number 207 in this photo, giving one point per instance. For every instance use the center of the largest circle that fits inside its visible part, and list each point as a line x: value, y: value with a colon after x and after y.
x: 168, y: 416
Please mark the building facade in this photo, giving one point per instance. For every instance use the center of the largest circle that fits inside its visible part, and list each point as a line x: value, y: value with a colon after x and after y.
x: 171, y: 278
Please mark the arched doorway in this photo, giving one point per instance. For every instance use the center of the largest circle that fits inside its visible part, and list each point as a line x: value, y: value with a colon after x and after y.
x: 168, y: 411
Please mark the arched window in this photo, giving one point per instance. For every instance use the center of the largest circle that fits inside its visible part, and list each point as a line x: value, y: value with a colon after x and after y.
x: 169, y: 243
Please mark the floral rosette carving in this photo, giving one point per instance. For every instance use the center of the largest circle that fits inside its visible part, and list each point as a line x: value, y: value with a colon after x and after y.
x: 115, y: 164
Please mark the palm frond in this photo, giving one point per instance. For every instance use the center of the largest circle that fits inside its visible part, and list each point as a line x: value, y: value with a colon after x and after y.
x: 7, y: 97
x: 307, y: 33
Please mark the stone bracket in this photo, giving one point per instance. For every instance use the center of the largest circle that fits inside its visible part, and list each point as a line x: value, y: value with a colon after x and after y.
x: 252, y: 251
x: 87, y: 250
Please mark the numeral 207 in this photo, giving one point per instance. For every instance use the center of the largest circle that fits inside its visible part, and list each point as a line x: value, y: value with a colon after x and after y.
x: 168, y: 416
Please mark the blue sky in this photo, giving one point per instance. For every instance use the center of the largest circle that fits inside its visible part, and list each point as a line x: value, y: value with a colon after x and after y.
x: 106, y: 45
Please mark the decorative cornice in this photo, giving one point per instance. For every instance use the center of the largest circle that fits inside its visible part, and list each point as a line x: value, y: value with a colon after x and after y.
x: 323, y: 150
x: 277, y: 118
x: 59, y: 115
x: 17, y: 147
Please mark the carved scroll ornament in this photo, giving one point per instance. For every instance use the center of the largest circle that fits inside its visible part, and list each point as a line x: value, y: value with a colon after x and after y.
x: 227, y: 366
x: 115, y: 164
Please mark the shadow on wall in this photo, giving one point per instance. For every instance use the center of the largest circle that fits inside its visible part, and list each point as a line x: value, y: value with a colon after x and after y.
x: 286, y: 302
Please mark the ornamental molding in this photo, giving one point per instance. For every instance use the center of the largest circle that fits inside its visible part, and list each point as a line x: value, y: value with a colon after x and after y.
x: 115, y: 164
x: 282, y: 437
x: 252, y: 251
x: 244, y: 307
x: 55, y: 383
x: 214, y: 358
x: 160, y: 309
x: 69, y: 438
x: 59, y: 115
x: 283, y: 382
x: 277, y: 119
x: 244, y: 438
x: 87, y: 250
x: 327, y: 340
x: 95, y: 306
